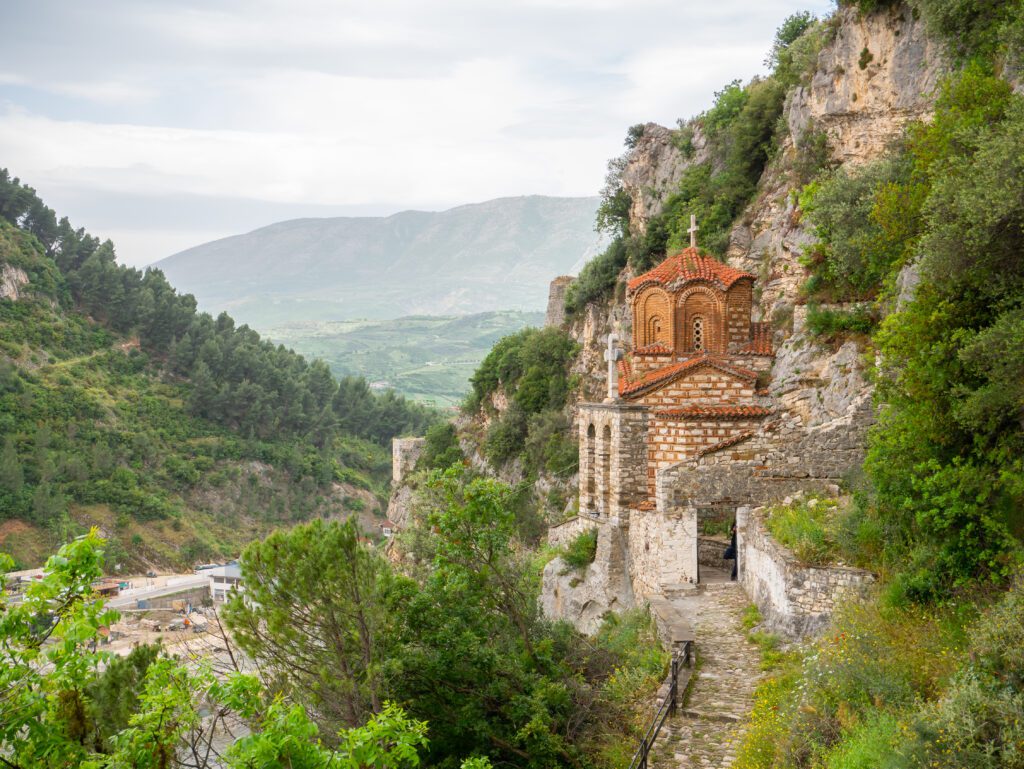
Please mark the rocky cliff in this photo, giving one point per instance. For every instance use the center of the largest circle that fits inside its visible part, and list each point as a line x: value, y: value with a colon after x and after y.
x: 877, y: 73
x: 874, y: 74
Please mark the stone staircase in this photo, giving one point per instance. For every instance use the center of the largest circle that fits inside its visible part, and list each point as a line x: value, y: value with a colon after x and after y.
x: 705, y: 731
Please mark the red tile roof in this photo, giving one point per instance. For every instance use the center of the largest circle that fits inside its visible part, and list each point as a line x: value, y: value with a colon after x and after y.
x: 715, y: 412
x: 689, y: 264
x: 653, y: 349
x: 666, y: 373
x: 726, y: 443
x: 760, y: 340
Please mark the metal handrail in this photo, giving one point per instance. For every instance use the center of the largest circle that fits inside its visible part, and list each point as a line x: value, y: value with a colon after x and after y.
x: 668, y: 707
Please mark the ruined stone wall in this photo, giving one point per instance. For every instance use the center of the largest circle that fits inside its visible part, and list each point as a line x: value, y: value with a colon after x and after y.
x: 555, y: 315
x: 404, y: 454
x: 584, y: 596
x: 795, y: 600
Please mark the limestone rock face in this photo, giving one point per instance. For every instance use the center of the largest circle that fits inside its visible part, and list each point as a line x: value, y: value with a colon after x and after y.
x: 12, y: 281
x: 879, y: 73
x: 653, y: 170
x: 817, y: 384
x: 590, y: 330
x: 584, y: 596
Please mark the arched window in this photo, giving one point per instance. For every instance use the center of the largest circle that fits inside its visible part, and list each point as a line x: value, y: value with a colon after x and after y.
x: 698, y: 334
x: 653, y: 330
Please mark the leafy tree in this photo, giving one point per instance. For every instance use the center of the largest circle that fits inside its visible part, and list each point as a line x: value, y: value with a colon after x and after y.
x: 67, y: 704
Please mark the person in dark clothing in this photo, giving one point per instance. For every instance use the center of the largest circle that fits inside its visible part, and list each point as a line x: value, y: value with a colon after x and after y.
x: 730, y: 553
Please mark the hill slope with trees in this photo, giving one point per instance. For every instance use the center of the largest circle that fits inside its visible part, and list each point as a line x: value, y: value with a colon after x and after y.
x: 182, y: 435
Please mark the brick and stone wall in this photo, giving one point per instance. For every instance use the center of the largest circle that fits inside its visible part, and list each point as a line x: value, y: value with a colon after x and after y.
x: 738, y: 303
x: 672, y: 440
x: 404, y: 454
x: 795, y: 599
x: 705, y: 386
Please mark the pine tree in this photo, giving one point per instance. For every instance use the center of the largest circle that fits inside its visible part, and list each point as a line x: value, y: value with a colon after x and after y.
x: 12, y: 477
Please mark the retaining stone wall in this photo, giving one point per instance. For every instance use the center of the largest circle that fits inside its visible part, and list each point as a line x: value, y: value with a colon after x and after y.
x: 795, y: 600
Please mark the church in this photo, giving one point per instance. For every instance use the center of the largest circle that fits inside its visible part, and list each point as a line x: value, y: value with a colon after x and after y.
x: 691, y: 382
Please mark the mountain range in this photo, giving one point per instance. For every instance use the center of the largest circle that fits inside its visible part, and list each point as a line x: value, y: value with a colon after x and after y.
x: 496, y: 255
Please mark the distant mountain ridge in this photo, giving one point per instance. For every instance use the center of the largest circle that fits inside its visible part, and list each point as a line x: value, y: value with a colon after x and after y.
x: 496, y: 255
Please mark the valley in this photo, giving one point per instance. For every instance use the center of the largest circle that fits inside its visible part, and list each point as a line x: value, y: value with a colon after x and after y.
x: 426, y: 358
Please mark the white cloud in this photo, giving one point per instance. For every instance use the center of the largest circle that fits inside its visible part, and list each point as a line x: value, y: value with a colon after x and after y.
x: 397, y: 103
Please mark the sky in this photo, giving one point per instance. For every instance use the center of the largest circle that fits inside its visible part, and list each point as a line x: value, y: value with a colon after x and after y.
x: 163, y: 124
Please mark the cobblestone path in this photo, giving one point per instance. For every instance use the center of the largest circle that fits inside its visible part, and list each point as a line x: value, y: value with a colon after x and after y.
x: 705, y: 733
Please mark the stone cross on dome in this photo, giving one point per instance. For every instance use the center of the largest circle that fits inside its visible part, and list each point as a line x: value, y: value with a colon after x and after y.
x: 693, y: 231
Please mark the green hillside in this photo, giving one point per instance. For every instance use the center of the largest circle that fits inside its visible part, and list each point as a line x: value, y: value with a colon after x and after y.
x: 180, y: 435
x: 427, y: 358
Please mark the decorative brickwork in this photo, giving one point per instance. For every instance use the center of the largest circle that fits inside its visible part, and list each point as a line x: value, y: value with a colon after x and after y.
x: 690, y: 382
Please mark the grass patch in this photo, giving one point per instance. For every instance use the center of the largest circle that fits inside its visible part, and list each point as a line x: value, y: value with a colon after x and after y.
x: 807, y: 527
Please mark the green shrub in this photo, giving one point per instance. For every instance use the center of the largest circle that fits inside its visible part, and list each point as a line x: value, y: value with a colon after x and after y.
x: 831, y: 322
x: 979, y: 722
x: 532, y: 368
x: 506, y: 437
x: 441, y: 449
x: 596, y: 280
x: 872, y: 744
x: 975, y: 28
x: 550, y: 444
x: 580, y: 552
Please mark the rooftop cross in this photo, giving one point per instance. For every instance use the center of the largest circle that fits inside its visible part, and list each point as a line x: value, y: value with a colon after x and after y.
x: 693, y: 231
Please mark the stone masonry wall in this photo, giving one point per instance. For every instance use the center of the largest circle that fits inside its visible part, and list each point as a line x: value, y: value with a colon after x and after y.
x: 555, y: 315
x: 794, y: 599
x: 662, y: 549
x: 613, y: 458
x: 404, y: 454
x: 567, y: 531
x: 783, y: 458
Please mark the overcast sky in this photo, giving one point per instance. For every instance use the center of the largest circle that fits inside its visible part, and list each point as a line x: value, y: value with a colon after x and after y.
x: 165, y: 124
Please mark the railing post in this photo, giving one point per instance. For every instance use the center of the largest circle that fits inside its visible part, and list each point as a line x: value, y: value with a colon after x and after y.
x: 673, y: 688
x: 643, y: 753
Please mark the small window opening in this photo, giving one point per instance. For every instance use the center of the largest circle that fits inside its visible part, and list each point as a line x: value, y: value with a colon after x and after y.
x: 698, y: 334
